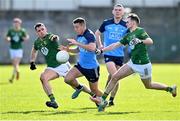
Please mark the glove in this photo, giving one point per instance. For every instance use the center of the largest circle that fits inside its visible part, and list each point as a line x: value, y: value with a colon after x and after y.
x: 98, y: 51
x: 136, y: 41
x: 32, y: 66
x: 54, y: 37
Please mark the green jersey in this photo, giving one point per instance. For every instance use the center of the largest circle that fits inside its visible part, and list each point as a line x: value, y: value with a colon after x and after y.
x: 16, y: 37
x: 139, y: 53
x: 49, y: 49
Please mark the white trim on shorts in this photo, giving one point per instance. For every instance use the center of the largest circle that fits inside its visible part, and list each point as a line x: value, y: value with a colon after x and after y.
x: 16, y: 53
x: 145, y: 70
x: 62, y: 69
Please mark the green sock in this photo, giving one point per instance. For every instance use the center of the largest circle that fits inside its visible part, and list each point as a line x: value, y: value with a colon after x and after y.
x: 104, y: 96
x: 51, y: 97
x: 169, y: 89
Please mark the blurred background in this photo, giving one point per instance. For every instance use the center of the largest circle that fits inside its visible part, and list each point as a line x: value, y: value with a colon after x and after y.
x: 160, y: 18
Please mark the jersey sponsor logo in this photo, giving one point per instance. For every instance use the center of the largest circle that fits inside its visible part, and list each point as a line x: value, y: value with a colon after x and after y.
x: 116, y: 32
x: 131, y: 43
x: 115, y: 35
x: 16, y: 38
x: 44, y: 51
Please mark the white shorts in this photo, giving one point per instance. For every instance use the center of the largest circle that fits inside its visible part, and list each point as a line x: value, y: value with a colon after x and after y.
x: 145, y: 70
x: 16, y: 53
x: 61, y: 70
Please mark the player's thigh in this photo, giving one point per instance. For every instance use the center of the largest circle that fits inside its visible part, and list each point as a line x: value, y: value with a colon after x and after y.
x: 123, y: 72
x: 73, y: 73
x: 111, y: 67
x: 49, y: 75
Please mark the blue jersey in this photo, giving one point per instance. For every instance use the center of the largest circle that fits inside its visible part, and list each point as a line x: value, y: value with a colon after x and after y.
x: 87, y: 59
x: 113, y: 33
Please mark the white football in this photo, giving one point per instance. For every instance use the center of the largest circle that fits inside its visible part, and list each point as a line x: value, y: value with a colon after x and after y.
x: 62, y: 56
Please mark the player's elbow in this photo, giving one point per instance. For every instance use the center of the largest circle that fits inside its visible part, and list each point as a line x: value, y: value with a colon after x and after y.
x: 148, y: 41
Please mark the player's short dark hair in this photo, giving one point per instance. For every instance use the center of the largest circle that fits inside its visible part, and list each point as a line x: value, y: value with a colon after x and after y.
x: 79, y: 20
x: 134, y: 17
x: 118, y: 5
x: 38, y: 25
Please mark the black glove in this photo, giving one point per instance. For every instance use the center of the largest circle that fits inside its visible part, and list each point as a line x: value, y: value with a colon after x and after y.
x: 32, y: 66
x: 98, y: 51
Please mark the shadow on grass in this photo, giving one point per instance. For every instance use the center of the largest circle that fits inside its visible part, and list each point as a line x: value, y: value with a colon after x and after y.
x: 43, y: 112
x: 4, y: 83
x: 117, y: 113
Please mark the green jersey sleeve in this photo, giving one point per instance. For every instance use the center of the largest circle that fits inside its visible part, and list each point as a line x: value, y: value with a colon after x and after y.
x: 24, y: 33
x: 124, y: 40
x: 8, y: 33
x: 143, y: 35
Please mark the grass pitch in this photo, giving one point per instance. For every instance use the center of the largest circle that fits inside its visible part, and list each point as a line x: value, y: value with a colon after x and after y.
x: 25, y: 99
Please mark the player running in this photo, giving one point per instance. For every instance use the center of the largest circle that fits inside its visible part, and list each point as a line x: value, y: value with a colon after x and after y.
x: 16, y: 36
x: 113, y: 30
x: 139, y: 63
x: 47, y: 44
x: 87, y: 64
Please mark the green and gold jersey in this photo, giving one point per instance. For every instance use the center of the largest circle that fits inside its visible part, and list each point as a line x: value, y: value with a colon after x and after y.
x: 16, y: 37
x: 139, y: 53
x: 49, y: 49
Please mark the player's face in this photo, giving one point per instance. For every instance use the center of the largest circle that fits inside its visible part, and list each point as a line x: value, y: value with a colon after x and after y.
x: 16, y: 24
x: 118, y: 12
x: 41, y: 31
x: 79, y: 28
x: 129, y: 23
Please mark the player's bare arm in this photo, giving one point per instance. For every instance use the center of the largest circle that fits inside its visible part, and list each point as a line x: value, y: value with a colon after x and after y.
x: 148, y: 41
x: 26, y: 37
x: 34, y: 53
x: 98, y: 39
x: 112, y: 46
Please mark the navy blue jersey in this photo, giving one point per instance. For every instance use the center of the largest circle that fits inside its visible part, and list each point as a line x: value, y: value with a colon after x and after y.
x: 113, y: 33
x: 87, y: 59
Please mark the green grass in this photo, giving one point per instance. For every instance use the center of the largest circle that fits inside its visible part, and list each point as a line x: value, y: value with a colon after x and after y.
x: 25, y: 99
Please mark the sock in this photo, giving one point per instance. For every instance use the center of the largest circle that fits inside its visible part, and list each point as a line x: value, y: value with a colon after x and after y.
x: 79, y: 87
x: 169, y: 89
x: 51, y: 97
x: 111, y: 99
x: 104, y: 96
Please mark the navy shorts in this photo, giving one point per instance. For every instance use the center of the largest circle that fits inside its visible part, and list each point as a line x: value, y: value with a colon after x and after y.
x: 117, y: 60
x: 92, y: 75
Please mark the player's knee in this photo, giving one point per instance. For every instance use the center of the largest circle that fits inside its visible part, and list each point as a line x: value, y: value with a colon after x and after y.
x: 43, y: 78
x: 147, y: 86
x: 67, y: 79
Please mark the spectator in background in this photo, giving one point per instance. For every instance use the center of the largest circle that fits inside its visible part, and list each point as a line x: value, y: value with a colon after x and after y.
x: 15, y: 36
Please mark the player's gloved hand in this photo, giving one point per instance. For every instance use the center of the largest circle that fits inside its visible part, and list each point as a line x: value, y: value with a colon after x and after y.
x: 136, y: 41
x: 32, y: 66
x: 98, y: 51
x: 54, y: 37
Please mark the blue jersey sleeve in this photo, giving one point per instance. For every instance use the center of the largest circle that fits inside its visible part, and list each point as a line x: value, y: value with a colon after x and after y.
x: 102, y: 27
x: 90, y: 37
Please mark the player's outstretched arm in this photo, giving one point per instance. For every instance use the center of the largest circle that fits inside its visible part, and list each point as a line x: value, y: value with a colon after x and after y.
x: 112, y: 46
